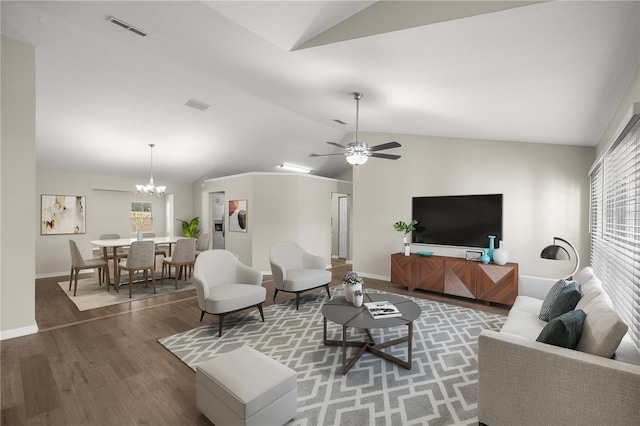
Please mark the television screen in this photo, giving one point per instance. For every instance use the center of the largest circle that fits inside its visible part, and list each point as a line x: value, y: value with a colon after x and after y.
x: 457, y: 220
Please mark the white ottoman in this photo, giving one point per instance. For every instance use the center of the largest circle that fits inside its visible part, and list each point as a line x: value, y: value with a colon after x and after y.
x: 245, y: 387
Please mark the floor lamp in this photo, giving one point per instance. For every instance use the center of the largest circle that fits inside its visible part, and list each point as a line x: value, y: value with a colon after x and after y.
x: 556, y: 252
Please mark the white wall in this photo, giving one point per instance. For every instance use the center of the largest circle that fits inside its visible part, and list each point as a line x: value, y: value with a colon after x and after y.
x: 17, y: 182
x: 545, y: 187
x: 108, y: 203
x: 280, y: 207
x: 631, y: 95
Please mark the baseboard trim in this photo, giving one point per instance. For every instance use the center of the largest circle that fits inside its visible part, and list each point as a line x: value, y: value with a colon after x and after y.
x: 376, y: 277
x: 18, y: 332
x: 63, y: 274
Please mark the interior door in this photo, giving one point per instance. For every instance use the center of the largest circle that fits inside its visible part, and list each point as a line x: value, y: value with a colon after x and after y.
x: 342, y: 226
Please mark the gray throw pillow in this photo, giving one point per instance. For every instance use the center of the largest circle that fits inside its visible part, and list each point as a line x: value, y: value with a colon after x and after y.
x: 563, y: 331
x: 551, y: 296
x: 566, y: 301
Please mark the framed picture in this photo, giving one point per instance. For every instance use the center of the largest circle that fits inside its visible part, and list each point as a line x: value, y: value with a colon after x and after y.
x: 238, y: 215
x: 62, y: 214
x: 474, y: 255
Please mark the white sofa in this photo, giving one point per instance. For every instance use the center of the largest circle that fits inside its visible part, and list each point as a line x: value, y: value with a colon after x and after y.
x: 522, y: 381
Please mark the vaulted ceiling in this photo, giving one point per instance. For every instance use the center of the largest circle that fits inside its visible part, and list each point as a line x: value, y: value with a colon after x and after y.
x: 277, y: 74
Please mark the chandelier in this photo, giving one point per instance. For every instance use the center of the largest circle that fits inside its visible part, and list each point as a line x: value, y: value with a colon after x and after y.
x: 150, y: 189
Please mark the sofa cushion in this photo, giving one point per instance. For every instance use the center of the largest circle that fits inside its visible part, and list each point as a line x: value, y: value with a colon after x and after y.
x: 551, y: 297
x: 523, y: 318
x: 602, y: 330
x: 584, y: 275
x: 527, y: 304
x: 564, y: 330
x: 566, y: 300
x: 590, y: 289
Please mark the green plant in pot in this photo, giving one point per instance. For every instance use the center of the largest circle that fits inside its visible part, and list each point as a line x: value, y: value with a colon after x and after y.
x: 405, y: 228
x: 190, y: 229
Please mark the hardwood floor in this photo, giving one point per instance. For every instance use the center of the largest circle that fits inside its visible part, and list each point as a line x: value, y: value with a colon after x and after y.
x: 105, y: 366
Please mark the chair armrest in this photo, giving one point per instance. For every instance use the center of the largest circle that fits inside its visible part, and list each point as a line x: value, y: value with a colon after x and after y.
x: 278, y: 273
x: 202, y: 291
x: 247, y: 275
x: 521, y: 381
x: 534, y: 286
x: 311, y: 261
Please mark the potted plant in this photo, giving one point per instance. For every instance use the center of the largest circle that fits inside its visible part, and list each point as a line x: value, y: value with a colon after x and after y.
x: 358, y: 298
x: 405, y: 228
x: 352, y: 282
x: 190, y: 229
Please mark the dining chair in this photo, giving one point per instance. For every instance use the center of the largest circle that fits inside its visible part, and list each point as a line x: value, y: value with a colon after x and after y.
x: 202, y: 243
x: 78, y: 264
x: 109, y: 254
x: 159, y: 251
x: 183, y: 258
x: 141, y: 258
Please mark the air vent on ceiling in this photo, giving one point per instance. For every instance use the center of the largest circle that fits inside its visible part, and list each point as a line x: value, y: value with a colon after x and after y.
x: 197, y: 105
x: 126, y: 26
x: 339, y: 121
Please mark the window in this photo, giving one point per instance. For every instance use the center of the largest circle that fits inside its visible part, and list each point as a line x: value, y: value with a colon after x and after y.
x: 141, y: 216
x: 615, y: 224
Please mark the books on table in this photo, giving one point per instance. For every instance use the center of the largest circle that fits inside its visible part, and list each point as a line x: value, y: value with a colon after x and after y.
x: 382, y: 309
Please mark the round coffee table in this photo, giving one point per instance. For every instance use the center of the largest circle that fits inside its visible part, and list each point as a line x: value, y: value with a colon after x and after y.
x: 339, y: 311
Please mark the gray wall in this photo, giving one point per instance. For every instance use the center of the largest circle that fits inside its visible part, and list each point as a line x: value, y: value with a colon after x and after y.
x: 18, y: 183
x: 108, y: 203
x: 545, y: 187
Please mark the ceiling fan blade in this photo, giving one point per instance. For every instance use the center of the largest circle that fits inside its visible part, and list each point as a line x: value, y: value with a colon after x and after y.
x: 387, y: 145
x: 324, y: 155
x: 337, y: 144
x: 386, y: 156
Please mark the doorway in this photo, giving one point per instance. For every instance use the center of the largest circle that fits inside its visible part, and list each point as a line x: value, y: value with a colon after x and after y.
x: 340, y: 226
x: 217, y: 220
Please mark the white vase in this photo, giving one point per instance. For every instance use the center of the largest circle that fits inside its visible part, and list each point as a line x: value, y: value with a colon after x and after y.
x: 357, y: 300
x: 500, y: 255
x: 349, y: 289
x: 139, y: 236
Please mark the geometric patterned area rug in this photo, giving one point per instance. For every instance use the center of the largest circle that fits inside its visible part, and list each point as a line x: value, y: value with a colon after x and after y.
x: 440, y: 388
x: 90, y: 295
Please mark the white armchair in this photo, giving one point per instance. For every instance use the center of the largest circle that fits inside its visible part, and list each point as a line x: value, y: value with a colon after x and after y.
x: 294, y: 270
x: 225, y: 285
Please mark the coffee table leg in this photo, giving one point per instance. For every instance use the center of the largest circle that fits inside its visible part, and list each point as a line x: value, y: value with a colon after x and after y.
x: 344, y: 350
x: 410, y: 342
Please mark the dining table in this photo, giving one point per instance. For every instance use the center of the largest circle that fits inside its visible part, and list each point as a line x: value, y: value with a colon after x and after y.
x: 115, y: 244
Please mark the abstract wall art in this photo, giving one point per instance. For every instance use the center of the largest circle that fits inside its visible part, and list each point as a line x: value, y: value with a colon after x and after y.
x: 62, y: 214
x: 238, y: 215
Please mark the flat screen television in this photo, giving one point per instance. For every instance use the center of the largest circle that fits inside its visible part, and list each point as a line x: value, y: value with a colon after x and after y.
x: 457, y: 220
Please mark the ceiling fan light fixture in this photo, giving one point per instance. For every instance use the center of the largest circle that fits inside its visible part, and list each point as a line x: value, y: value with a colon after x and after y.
x: 357, y: 159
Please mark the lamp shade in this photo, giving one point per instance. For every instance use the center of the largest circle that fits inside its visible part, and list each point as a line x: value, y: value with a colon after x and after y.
x: 554, y: 252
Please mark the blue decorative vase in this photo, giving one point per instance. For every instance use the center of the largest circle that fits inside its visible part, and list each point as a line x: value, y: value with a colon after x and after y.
x: 492, y: 246
x: 485, y: 256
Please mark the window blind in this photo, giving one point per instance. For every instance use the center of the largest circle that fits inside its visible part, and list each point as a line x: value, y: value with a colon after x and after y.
x: 615, y: 224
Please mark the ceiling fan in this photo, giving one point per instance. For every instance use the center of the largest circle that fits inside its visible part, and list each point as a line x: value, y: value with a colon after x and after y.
x: 359, y: 152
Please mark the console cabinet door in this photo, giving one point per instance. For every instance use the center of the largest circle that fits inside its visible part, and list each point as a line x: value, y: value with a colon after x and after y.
x: 497, y: 283
x: 402, y: 270
x: 460, y: 278
x: 428, y: 273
